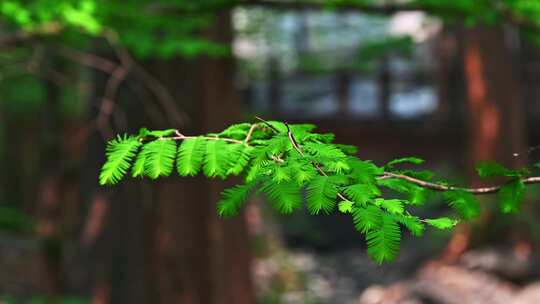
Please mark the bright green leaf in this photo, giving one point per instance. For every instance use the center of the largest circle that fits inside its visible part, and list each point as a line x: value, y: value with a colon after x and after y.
x: 493, y: 169
x: 442, y: 223
x: 411, y: 160
x: 120, y: 152
x: 345, y: 206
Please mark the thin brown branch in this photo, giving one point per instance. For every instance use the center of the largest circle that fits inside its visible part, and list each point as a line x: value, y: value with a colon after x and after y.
x: 114, y: 41
x: 36, y: 66
x: 250, y: 132
x: 163, y: 96
x: 385, y: 175
x: 180, y: 136
x: 108, y: 102
x: 416, y: 181
x: 161, y: 93
x: 51, y: 75
x: 87, y: 59
x: 22, y: 36
x: 267, y: 124
x: 444, y: 188
x: 301, y: 152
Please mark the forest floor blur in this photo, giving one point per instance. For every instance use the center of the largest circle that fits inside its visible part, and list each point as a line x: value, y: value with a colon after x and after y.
x: 288, y: 271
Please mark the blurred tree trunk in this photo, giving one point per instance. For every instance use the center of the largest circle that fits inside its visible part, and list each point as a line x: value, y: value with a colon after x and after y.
x: 496, y: 119
x: 3, y: 148
x: 200, y: 258
x: 450, y: 83
x: 12, y: 185
x: 48, y: 209
x: 162, y: 241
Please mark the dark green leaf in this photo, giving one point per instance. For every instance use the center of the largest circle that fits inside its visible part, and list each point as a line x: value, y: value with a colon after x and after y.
x: 412, y: 223
x: 465, y: 203
x: 410, y: 160
x: 442, y: 223
x: 345, y: 206
x: 493, y: 169
x: 511, y: 196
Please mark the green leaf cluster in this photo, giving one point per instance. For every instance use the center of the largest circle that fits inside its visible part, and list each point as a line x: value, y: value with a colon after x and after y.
x: 292, y: 166
x: 512, y: 192
x: 147, y: 28
x: 277, y: 169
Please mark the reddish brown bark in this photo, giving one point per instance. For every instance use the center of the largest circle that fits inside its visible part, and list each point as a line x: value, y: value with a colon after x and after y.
x: 496, y: 113
x: 496, y: 125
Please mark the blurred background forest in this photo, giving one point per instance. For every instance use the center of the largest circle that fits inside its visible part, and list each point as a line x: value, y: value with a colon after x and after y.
x: 453, y: 82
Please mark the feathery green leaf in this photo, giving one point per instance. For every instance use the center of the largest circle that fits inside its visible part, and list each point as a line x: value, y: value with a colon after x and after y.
x: 493, y: 169
x: 190, y: 156
x: 383, y: 242
x: 216, y: 161
x: 362, y: 193
x: 367, y: 218
x: 442, y: 223
x: 281, y: 174
x: 465, y: 203
x: 138, y: 167
x: 339, y: 166
x: 324, y: 152
x: 277, y: 145
x: 394, y: 206
x: 321, y: 194
x: 284, y: 197
x: 423, y: 174
x: 120, y: 152
x: 411, y: 160
x: 240, y: 155
x: 159, y: 158
x: 363, y: 172
x: 233, y: 199
x: 270, y: 161
x: 304, y: 173
x: 345, y: 206
x: 412, y: 223
x: 161, y: 133
x: 418, y: 195
x: 347, y: 149
x: 237, y: 131
x: 396, y: 184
